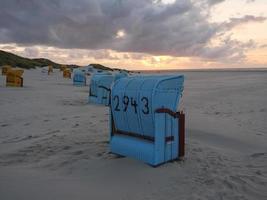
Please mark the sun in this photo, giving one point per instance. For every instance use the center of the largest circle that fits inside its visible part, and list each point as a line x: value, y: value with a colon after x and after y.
x: 120, y: 34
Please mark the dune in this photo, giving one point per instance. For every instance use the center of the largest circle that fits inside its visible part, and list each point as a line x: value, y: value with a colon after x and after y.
x: 54, y: 145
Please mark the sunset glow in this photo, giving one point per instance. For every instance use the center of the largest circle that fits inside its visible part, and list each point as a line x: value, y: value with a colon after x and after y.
x: 237, y: 37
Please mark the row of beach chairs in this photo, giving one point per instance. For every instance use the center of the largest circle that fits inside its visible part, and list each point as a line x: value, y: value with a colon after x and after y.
x: 144, y: 122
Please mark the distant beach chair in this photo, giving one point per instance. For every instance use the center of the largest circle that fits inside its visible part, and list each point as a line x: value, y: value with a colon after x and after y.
x: 67, y: 73
x: 99, y: 89
x: 89, y: 69
x: 62, y: 68
x: 50, y: 69
x: 144, y: 122
x: 5, y: 69
x: 79, y: 77
x: 14, y: 78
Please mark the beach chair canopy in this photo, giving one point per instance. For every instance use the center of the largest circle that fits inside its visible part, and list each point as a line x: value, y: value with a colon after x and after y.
x: 135, y: 99
x: 5, y: 69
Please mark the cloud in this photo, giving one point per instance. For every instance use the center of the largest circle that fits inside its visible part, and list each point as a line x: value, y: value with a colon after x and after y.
x: 180, y: 28
x: 213, y: 2
x: 103, y: 54
x: 231, y: 49
x: 250, y: 1
x: 8, y: 47
x: 31, y: 52
x: 243, y: 20
x: 263, y: 46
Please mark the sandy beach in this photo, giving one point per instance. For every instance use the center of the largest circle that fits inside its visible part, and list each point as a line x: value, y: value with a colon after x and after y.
x: 54, y: 145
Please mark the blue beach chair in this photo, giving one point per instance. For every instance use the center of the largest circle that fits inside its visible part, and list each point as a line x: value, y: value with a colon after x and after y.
x: 79, y: 78
x: 144, y: 122
x: 99, y: 89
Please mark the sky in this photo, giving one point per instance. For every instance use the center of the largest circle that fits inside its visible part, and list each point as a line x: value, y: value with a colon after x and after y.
x: 138, y: 34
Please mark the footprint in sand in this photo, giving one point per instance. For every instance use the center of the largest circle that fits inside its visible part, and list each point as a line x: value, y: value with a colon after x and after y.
x: 4, y: 125
x: 76, y: 125
x: 77, y: 152
x: 52, y: 132
x: 256, y: 155
x: 99, y: 154
x: 66, y: 147
x: 103, y: 142
x: 115, y: 156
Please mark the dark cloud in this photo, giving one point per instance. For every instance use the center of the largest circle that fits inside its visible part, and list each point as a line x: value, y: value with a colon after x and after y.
x: 263, y: 46
x: 242, y: 20
x: 179, y: 29
x: 233, y: 50
x: 250, y: 1
x: 213, y: 2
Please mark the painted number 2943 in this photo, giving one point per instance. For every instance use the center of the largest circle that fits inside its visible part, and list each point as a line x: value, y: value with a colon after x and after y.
x: 126, y: 102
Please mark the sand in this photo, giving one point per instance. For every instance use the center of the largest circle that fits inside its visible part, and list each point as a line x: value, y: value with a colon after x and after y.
x: 53, y: 145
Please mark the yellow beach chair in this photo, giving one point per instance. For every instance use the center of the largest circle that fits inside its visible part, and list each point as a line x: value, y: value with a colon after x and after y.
x: 62, y: 68
x: 67, y: 73
x: 14, y: 78
x: 50, y: 69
